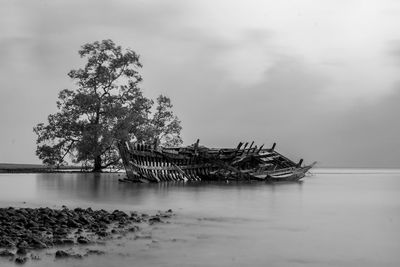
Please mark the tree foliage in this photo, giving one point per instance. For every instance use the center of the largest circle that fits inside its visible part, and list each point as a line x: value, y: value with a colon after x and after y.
x: 107, y: 106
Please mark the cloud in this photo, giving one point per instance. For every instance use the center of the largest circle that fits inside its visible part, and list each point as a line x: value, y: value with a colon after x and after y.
x: 277, y: 108
x: 393, y: 51
x: 369, y: 135
x: 316, y: 80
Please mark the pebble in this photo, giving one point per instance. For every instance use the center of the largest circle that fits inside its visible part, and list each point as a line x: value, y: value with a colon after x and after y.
x: 94, y: 251
x: 21, y: 260
x: 6, y: 253
x: 83, y: 240
x: 62, y: 254
x: 21, y: 251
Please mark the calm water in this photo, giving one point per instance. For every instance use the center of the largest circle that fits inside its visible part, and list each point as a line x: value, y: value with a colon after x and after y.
x: 333, y: 218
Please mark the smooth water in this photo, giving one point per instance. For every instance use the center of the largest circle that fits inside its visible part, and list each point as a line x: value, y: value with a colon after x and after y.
x: 333, y: 218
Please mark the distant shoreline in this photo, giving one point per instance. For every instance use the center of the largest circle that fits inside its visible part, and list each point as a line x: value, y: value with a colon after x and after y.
x: 41, y: 171
x: 37, y: 168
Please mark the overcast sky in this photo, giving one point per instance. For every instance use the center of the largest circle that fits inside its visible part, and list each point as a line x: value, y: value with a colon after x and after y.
x: 320, y: 78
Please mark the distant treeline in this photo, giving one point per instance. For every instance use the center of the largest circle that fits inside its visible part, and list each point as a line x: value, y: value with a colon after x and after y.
x: 27, y: 168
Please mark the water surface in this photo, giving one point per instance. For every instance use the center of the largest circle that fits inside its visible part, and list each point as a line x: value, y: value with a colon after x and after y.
x: 333, y: 218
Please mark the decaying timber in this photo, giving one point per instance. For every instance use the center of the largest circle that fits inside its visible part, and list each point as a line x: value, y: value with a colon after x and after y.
x: 151, y: 163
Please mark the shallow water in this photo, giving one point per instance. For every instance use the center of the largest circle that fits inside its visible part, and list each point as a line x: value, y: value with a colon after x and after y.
x: 333, y: 218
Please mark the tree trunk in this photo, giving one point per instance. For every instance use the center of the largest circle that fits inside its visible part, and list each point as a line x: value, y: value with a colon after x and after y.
x: 97, y: 164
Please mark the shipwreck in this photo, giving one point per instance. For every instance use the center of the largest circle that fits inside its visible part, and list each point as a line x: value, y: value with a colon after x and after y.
x: 153, y: 163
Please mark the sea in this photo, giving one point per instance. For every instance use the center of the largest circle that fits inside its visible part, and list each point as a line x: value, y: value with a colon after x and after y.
x: 333, y: 217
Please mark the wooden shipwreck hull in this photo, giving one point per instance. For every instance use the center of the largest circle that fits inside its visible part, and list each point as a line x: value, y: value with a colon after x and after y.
x: 147, y: 163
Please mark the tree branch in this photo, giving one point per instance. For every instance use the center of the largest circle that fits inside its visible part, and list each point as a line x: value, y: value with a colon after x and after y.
x: 111, y: 163
x: 105, y: 87
x: 69, y: 148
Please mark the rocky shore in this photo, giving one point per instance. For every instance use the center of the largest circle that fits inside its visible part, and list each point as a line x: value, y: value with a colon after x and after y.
x: 27, y: 229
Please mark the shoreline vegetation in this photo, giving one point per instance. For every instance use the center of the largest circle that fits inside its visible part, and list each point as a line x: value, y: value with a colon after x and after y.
x: 38, y: 168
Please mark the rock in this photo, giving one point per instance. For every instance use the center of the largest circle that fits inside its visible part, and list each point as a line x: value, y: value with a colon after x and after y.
x: 60, y: 232
x: 155, y: 219
x: 21, y: 251
x: 136, y: 219
x: 6, y: 253
x: 62, y: 254
x: 57, y: 241
x: 35, y: 257
x: 134, y: 214
x: 42, y: 229
x: 63, y: 241
x: 21, y: 260
x: 48, y: 242
x: 133, y: 229
x: 36, y: 243
x: 7, y: 243
x: 166, y: 214
x: 23, y: 244
x: 103, y: 225
x: 94, y: 228
x: 79, y: 210
x: 94, y: 251
x: 83, y: 240
x: 123, y: 221
x: 102, y: 233
x: 73, y: 224
x: 51, y: 222
x: 18, y: 226
x: 22, y: 219
x: 105, y: 220
x: 83, y: 220
x: 89, y: 210
x: 31, y: 224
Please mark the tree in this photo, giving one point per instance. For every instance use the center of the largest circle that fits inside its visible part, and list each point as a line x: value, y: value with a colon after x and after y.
x: 107, y: 107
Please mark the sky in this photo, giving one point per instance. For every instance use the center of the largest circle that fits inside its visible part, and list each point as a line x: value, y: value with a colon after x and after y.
x: 320, y: 78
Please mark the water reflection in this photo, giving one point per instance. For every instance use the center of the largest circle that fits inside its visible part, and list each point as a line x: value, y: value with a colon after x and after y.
x: 105, y: 189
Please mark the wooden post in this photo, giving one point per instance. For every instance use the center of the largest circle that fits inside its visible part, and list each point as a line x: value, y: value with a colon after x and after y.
x: 248, y: 151
x: 239, y: 146
x: 300, y: 162
x: 244, y: 148
x: 252, y: 143
x: 196, y: 146
x: 273, y: 147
